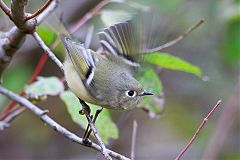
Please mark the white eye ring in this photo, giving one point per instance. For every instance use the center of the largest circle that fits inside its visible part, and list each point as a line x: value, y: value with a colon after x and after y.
x: 131, y: 93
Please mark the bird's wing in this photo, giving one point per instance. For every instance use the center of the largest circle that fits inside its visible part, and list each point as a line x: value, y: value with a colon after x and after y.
x: 83, y: 59
x: 120, y: 40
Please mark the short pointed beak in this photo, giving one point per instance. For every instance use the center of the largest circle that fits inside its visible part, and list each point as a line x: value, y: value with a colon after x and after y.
x: 145, y: 93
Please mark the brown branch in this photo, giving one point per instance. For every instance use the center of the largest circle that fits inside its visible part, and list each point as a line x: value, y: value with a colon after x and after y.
x: 5, y: 9
x: 12, y: 40
x: 58, y: 128
x: 19, y: 16
x: 40, y: 10
x: 176, y: 40
x: 198, y: 130
x: 47, y: 11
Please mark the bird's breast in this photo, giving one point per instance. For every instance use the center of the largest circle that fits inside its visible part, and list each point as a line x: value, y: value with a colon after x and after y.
x: 75, y: 83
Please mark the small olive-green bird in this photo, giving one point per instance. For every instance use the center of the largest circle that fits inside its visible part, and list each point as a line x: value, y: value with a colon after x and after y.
x: 106, y: 79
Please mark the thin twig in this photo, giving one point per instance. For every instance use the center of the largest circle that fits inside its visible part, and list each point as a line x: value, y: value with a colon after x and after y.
x: 47, y: 11
x: 58, y: 128
x: 226, y: 120
x: 40, y: 10
x: 5, y: 9
x: 176, y: 40
x: 10, y: 108
x: 88, y: 16
x: 100, y: 142
x: 134, y: 135
x: 86, y: 110
x: 7, y: 120
x: 198, y: 130
x: 47, y: 50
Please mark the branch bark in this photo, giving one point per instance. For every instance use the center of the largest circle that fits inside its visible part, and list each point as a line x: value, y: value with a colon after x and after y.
x: 19, y: 16
x: 47, y: 50
x: 13, y: 39
x: 58, y: 128
x: 10, y: 42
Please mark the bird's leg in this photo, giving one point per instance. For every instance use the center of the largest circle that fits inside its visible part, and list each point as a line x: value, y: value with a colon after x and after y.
x: 94, y: 120
x: 85, y: 108
x: 85, y: 111
x: 86, y: 136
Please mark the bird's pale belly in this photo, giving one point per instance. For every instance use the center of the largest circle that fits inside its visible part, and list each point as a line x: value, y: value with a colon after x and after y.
x: 75, y: 83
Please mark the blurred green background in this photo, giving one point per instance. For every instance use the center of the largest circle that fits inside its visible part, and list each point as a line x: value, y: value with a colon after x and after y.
x: 214, y: 47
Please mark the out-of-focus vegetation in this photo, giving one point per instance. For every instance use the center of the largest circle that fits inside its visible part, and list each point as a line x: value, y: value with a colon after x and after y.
x: 214, y: 47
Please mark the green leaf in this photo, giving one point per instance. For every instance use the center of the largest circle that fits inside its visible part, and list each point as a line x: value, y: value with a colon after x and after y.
x: 110, y: 17
x: 44, y: 86
x: 151, y: 82
x: 168, y: 61
x: 104, y: 124
x: 47, y: 35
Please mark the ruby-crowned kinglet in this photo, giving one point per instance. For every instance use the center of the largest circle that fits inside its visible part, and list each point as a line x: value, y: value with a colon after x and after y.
x: 106, y: 79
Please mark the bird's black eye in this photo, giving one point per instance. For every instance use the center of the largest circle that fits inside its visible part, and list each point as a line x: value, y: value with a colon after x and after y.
x: 131, y: 93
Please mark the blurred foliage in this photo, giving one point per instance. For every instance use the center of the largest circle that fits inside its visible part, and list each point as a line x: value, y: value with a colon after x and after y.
x: 15, y: 78
x: 230, y: 47
x: 116, y: 16
x: 44, y: 86
x: 152, y: 104
x: 183, y: 118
